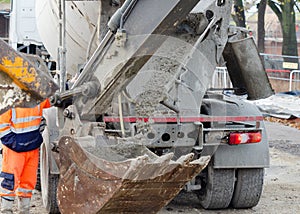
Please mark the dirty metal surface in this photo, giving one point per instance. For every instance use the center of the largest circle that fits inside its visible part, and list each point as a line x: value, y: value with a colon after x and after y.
x: 21, y: 83
x: 143, y: 184
x: 81, y: 29
x: 10, y: 93
x: 120, y: 64
x: 246, y: 69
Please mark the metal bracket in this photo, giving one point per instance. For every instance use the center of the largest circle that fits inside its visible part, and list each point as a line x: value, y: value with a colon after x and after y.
x: 199, y: 147
x: 121, y: 37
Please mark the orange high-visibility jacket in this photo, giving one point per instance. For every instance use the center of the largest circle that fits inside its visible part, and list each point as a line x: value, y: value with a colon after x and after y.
x: 19, y: 127
x: 5, y: 123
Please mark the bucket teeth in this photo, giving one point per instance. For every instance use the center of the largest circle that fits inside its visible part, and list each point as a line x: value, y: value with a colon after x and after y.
x: 142, y: 184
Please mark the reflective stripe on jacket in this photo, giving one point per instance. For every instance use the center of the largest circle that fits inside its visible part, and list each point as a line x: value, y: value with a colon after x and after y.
x: 5, y: 123
x: 26, y: 119
x: 23, y: 133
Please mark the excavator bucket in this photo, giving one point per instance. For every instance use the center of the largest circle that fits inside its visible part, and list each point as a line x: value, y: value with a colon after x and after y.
x: 126, y: 178
x: 21, y: 82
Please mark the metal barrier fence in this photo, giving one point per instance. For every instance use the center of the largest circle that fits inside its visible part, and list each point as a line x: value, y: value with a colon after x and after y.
x: 294, y: 81
x: 221, y: 78
x: 283, y: 69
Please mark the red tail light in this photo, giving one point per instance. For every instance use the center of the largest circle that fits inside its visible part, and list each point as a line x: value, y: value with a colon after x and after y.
x: 246, y: 137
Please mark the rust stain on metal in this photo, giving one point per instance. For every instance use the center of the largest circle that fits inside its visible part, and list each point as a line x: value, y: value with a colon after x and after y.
x: 143, y: 184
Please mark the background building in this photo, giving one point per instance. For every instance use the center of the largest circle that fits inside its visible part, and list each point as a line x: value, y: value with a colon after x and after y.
x: 4, y: 21
x: 273, y: 36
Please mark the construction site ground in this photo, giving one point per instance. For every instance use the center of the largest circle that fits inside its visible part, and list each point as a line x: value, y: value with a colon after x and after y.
x: 281, y: 193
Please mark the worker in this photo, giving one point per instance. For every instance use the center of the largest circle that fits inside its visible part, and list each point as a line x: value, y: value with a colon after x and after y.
x: 21, y: 138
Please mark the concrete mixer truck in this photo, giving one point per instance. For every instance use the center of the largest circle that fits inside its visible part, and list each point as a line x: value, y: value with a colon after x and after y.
x: 140, y: 121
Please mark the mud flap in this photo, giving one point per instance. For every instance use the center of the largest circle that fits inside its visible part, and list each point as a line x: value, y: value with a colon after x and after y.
x: 143, y: 184
x: 22, y: 84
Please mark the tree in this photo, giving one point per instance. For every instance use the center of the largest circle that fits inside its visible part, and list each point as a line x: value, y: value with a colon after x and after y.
x: 239, y: 17
x: 261, y: 26
x: 284, y: 10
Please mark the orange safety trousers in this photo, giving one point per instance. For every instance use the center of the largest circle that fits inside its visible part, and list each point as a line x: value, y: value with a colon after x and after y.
x: 23, y: 166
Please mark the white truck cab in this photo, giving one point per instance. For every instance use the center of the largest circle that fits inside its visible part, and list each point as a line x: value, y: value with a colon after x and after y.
x: 23, y: 33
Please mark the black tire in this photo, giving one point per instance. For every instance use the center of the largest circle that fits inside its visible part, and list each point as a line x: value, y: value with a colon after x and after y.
x: 217, y: 186
x: 49, y: 182
x: 38, y: 178
x: 248, y: 188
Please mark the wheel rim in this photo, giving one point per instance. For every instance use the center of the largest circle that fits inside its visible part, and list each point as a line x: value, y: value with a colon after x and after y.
x: 44, y: 174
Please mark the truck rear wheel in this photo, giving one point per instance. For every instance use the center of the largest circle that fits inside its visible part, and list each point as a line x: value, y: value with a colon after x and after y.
x: 38, y: 178
x: 217, y: 186
x: 49, y: 181
x: 248, y: 188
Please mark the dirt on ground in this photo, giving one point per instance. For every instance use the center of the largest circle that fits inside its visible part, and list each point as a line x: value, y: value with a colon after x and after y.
x: 281, y: 193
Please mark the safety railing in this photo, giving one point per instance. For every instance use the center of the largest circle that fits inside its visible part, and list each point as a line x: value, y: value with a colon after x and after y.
x: 283, y: 71
x: 294, y: 78
x: 221, y: 78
